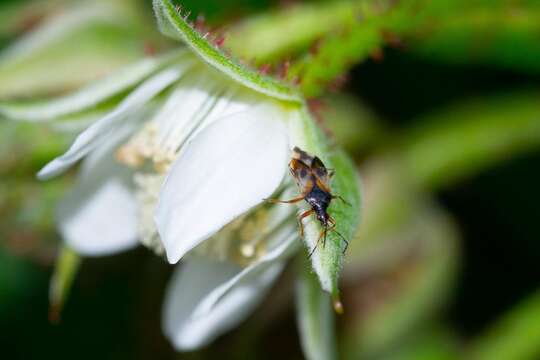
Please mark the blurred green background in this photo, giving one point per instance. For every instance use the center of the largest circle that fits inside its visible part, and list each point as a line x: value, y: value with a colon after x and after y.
x: 444, y: 124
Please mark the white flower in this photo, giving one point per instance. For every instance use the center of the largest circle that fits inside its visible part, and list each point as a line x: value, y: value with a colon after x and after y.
x: 182, y: 164
x: 220, y: 148
x: 187, y: 152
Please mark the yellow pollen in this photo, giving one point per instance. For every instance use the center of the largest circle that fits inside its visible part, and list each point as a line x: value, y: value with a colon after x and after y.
x: 144, y: 146
x: 248, y: 250
x: 128, y: 155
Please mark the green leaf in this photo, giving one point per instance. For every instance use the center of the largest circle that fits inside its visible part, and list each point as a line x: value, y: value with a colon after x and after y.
x: 288, y: 30
x: 327, y: 260
x: 90, y: 95
x: 431, y: 343
x: 514, y: 336
x: 67, y: 264
x: 343, y: 34
x: 374, y: 25
x: 453, y: 143
x: 507, y: 31
x: 421, y: 289
x: 336, y: 54
x: 314, y: 316
x: 172, y: 24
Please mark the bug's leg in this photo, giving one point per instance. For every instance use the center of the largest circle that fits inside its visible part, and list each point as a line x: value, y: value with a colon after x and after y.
x: 291, y: 170
x: 331, y: 173
x: 302, y: 216
x: 342, y: 238
x: 341, y: 198
x: 291, y: 201
x: 332, y: 222
x: 333, y: 228
x: 316, y: 245
x: 312, y: 251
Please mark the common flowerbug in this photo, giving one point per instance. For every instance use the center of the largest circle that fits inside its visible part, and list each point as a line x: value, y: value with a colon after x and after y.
x: 313, y: 180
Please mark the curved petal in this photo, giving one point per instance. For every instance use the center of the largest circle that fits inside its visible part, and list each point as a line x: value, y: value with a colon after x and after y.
x: 229, y: 168
x: 99, y: 215
x: 287, y: 243
x: 191, y: 283
x: 112, y: 122
x: 186, y: 107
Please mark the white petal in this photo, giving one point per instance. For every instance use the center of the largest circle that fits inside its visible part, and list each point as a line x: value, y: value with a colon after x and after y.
x: 98, y: 216
x: 286, y: 243
x: 226, y: 294
x: 88, y: 96
x: 117, y: 120
x: 229, y: 168
x: 203, y: 99
x: 185, y: 108
x: 235, y: 100
x: 191, y: 283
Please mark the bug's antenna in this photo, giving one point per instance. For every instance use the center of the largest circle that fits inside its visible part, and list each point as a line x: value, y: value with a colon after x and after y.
x: 342, y: 199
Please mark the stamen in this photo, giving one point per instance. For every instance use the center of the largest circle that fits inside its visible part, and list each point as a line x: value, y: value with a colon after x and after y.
x: 147, y: 193
x: 139, y: 148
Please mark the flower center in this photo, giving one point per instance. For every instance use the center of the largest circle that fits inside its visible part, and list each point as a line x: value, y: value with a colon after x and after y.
x: 196, y: 101
x: 193, y: 104
x: 248, y: 238
x: 144, y: 147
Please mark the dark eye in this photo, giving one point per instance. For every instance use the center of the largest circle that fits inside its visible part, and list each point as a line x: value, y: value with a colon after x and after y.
x: 303, y: 173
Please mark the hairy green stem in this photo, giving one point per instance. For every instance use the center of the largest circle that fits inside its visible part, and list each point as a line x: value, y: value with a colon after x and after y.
x: 277, y: 34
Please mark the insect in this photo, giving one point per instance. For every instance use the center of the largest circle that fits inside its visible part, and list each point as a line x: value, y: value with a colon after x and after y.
x: 313, y: 180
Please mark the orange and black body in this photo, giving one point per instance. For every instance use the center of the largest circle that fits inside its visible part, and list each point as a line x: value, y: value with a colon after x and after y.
x: 313, y: 180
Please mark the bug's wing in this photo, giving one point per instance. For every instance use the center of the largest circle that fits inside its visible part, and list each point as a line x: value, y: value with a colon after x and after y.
x: 302, y: 174
x: 321, y: 174
x: 303, y: 156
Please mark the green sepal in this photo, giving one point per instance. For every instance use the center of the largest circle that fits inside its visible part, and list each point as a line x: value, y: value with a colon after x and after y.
x: 172, y: 24
x: 327, y: 258
x: 65, y: 269
x: 315, y: 318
